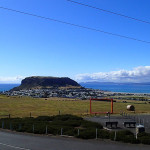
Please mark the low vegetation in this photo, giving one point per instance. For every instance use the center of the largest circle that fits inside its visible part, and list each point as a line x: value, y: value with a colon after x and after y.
x: 72, y: 126
x: 69, y: 124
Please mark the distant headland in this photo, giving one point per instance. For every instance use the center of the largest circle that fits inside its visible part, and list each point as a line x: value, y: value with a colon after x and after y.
x: 41, y: 82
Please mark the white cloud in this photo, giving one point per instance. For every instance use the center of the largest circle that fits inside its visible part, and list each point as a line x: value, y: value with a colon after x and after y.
x: 137, y: 75
x: 16, y: 79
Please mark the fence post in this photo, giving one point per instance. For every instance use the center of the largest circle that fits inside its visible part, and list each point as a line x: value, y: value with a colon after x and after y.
x: 78, y: 132
x: 33, y: 128
x: 115, y: 136
x: 10, y: 126
x: 59, y: 112
x: 61, y: 131
x: 30, y: 115
x: 46, y: 130
x: 9, y: 116
x: 2, y: 124
x: 136, y: 133
x: 19, y: 126
x: 96, y: 133
x: 124, y: 114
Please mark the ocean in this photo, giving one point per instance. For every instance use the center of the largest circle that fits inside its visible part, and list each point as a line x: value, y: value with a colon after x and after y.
x: 7, y: 87
x: 116, y: 87
x: 112, y: 87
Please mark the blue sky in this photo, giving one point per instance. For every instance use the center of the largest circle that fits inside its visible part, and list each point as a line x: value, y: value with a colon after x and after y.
x: 33, y: 46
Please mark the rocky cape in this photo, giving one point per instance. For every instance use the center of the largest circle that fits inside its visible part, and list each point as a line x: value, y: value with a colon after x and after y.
x: 39, y: 82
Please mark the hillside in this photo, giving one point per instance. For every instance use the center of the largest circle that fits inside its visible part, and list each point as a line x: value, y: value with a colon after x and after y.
x: 46, y: 82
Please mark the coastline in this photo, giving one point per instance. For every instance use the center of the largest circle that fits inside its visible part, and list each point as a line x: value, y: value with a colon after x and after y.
x: 117, y: 88
x: 107, y: 92
x: 7, y: 87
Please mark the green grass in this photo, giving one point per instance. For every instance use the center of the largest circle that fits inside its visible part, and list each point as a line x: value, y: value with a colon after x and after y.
x: 21, y: 107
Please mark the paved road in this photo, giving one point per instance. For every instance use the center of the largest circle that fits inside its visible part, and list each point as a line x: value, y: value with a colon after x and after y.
x: 19, y: 141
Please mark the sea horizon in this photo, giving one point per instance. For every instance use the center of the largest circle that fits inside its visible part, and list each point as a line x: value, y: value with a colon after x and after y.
x: 7, y: 86
x: 110, y: 87
x: 142, y: 88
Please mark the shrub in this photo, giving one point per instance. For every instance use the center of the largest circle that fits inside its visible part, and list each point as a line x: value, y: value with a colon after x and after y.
x: 70, y: 123
x: 69, y: 131
x: 143, y: 134
x: 123, y: 135
x: 52, y: 130
x: 44, y: 118
x: 54, y: 125
x: 89, y: 124
x: 27, y: 128
x: 87, y: 134
x: 104, y: 134
x: 67, y: 117
x: 112, y: 135
x: 145, y: 140
x: 39, y: 128
x: 130, y: 139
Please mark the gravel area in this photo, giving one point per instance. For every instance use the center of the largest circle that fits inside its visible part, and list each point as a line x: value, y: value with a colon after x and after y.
x: 143, y: 119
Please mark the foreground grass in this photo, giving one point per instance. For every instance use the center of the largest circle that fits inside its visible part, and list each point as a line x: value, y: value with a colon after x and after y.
x: 22, y: 106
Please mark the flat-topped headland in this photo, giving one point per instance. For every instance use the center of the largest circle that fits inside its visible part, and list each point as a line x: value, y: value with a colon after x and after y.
x: 41, y: 82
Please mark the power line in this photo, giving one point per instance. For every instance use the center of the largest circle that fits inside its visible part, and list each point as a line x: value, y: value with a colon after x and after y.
x: 76, y: 25
x: 104, y: 10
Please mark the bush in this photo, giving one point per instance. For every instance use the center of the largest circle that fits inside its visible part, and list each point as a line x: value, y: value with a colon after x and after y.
x: 54, y: 125
x: 27, y: 128
x: 87, y: 134
x: 135, y: 141
x: 44, y: 118
x: 40, y: 128
x: 89, y: 124
x: 112, y: 135
x: 69, y: 131
x: 52, y: 130
x: 130, y: 139
x: 143, y: 134
x: 145, y: 140
x: 69, y: 123
x: 67, y: 117
x: 123, y: 135
x: 104, y: 134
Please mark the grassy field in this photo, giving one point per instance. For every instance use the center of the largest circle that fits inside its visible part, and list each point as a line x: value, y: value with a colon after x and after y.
x: 22, y: 106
